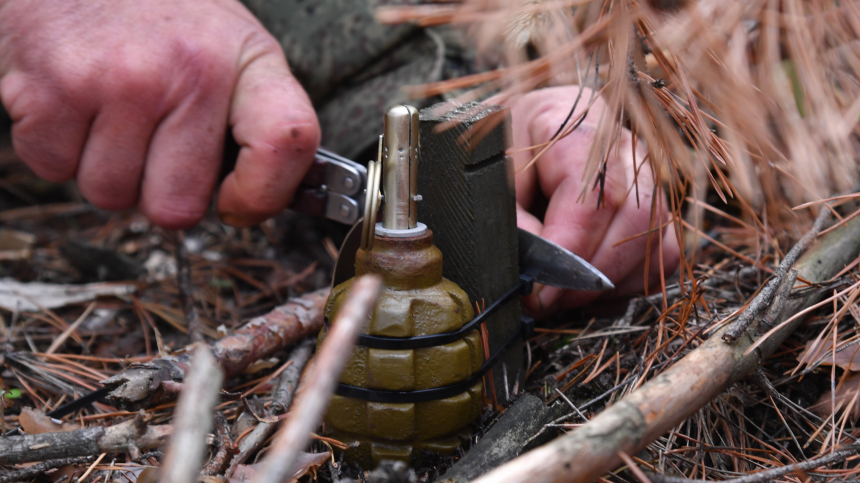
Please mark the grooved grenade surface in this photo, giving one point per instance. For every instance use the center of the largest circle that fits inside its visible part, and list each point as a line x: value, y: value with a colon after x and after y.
x: 415, y: 301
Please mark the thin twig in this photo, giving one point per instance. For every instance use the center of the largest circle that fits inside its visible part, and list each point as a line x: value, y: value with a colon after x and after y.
x: 71, y: 329
x: 772, y: 474
x: 765, y: 296
x: 193, y: 419
x: 321, y: 381
x: 282, y: 398
x: 774, y: 312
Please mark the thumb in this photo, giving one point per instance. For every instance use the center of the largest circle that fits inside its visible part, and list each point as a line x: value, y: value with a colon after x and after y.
x: 277, y: 130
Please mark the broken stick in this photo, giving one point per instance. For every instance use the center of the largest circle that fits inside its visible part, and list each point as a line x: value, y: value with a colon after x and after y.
x: 153, y: 383
x: 764, y: 298
x: 39, y: 469
x: 315, y: 394
x: 772, y: 474
x: 282, y: 397
x: 129, y: 437
x: 662, y: 403
x: 192, y: 419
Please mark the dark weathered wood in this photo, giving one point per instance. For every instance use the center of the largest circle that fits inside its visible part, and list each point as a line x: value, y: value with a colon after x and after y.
x: 467, y: 186
x: 24, y: 474
x: 130, y: 436
x: 504, y: 441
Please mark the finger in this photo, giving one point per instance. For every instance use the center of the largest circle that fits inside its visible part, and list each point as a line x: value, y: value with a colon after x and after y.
x: 634, y: 282
x: 276, y: 126
x: 112, y: 162
x: 528, y: 221
x: 48, y: 131
x: 576, y: 225
x: 623, y: 259
x: 573, y: 218
x: 525, y: 179
x: 531, y: 224
x: 184, y: 155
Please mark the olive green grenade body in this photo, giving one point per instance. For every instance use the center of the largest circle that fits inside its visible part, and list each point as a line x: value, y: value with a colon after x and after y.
x: 415, y: 301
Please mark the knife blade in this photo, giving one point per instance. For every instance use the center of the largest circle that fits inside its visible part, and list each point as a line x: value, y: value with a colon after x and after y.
x: 551, y: 264
x: 541, y: 259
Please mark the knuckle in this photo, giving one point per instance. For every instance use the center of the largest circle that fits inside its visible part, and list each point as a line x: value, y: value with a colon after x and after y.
x: 259, y: 41
x: 199, y: 66
x: 135, y: 83
x: 298, y: 138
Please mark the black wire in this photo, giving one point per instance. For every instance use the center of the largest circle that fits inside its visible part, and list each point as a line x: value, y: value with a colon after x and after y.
x: 436, y: 393
x: 523, y: 287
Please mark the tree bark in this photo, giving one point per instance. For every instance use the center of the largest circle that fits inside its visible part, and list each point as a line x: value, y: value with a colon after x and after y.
x: 131, y: 436
x: 149, y: 384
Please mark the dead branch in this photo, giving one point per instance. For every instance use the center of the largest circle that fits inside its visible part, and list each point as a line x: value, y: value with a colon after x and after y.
x: 777, y: 307
x: 284, y: 392
x: 39, y: 469
x: 144, y: 385
x: 766, y: 294
x: 768, y: 475
x: 315, y: 394
x: 193, y: 419
x: 226, y: 447
x: 131, y: 436
x: 632, y: 423
x: 282, y: 398
x: 505, y: 439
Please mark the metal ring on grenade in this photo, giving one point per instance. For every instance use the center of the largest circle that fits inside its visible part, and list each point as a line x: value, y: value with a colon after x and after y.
x: 371, y: 200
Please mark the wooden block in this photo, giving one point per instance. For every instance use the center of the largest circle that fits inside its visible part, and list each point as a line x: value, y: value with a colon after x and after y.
x: 469, y: 201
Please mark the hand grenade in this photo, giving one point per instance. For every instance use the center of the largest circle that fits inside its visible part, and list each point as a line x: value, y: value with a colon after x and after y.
x: 415, y: 301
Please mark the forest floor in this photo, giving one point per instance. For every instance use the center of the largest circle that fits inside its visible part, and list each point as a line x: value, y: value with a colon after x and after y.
x: 65, y: 347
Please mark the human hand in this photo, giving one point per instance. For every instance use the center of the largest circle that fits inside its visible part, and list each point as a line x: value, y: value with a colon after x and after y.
x: 594, y: 234
x: 133, y: 98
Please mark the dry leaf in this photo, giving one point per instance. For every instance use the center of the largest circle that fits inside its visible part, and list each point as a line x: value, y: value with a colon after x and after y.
x: 848, y: 358
x: 33, y: 296
x: 846, y: 398
x: 35, y: 421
